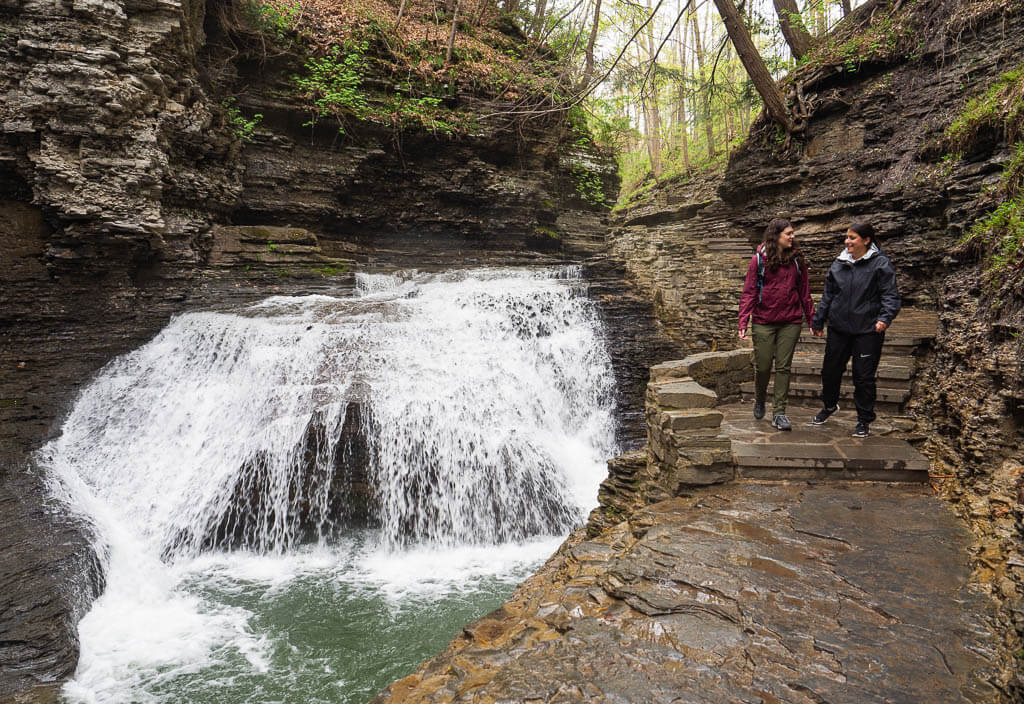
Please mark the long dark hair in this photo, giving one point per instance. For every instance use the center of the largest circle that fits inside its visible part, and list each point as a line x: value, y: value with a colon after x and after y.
x: 774, y: 257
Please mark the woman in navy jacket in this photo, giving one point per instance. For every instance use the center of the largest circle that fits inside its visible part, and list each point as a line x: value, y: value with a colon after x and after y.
x: 777, y: 296
x: 859, y: 303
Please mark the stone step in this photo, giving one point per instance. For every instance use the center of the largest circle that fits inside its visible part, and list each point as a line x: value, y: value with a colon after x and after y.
x: 815, y: 378
x: 897, y: 347
x: 887, y: 399
x: 895, y: 369
x: 810, y: 474
x: 824, y: 452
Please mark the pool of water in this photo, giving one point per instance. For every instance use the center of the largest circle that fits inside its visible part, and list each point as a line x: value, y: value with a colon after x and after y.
x: 318, y: 625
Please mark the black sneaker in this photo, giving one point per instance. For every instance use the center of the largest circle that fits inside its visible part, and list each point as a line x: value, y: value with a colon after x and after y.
x: 781, y: 422
x: 823, y: 415
x: 758, y: 409
x: 861, y: 431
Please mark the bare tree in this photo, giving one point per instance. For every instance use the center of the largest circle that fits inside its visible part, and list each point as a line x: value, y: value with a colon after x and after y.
x: 705, y: 95
x: 793, y: 28
x: 451, y: 35
x: 681, y: 118
x: 752, y: 61
x: 588, y: 68
x: 847, y: 7
x: 539, y: 18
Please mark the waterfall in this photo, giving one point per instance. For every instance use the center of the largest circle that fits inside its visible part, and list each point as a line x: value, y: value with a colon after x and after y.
x: 475, y: 408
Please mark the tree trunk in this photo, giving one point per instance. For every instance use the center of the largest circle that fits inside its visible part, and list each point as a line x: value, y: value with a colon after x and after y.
x: 752, y: 61
x: 539, y: 17
x: 401, y: 11
x: 705, y: 99
x: 684, y: 131
x: 451, y: 35
x: 588, y: 69
x: 793, y: 28
x: 847, y: 7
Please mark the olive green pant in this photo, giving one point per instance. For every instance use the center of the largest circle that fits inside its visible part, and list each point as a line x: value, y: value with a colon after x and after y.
x: 774, y: 342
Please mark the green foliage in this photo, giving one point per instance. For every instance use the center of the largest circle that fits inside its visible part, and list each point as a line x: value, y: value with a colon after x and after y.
x: 243, y: 127
x: 332, y: 84
x: 545, y: 231
x: 273, y: 17
x: 588, y: 185
x: 331, y: 270
x: 424, y: 111
x: 1000, y: 236
x: 271, y: 246
x: 1001, y: 105
x: 891, y: 36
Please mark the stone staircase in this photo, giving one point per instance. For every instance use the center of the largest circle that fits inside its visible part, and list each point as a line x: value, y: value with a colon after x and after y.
x: 701, y: 429
x: 910, y: 332
x: 829, y: 451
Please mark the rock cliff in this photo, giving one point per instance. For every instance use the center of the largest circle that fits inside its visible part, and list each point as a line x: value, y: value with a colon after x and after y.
x: 877, y: 148
x: 127, y: 195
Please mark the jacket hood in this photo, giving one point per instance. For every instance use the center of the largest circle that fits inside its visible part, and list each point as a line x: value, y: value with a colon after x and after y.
x: 845, y: 256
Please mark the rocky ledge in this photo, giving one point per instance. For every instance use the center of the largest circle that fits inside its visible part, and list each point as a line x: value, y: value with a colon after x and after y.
x: 745, y: 592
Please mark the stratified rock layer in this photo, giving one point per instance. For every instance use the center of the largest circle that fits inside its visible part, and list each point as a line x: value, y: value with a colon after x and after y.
x: 874, y: 150
x: 747, y: 592
x: 126, y: 197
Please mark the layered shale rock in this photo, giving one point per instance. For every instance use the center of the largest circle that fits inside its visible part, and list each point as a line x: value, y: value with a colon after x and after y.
x: 874, y: 149
x: 742, y: 593
x: 127, y: 196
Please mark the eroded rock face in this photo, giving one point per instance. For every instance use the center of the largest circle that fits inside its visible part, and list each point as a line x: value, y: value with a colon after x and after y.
x: 868, y: 153
x: 871, y: 153
x: 125, y: 198
x: 741, y: 593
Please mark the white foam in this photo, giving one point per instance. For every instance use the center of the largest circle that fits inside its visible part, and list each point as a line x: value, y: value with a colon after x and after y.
x: 488, y: 404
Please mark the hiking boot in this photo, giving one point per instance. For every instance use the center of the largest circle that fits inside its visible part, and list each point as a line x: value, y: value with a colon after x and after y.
x: 861, y: 431
x: 758, y: 409
x: 781, y: 422
x: 823, y: 415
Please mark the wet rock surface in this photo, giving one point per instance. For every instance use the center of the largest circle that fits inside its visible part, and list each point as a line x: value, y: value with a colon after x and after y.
x: 872, y: 152
x: 126, y: 198
x: 747, y: 592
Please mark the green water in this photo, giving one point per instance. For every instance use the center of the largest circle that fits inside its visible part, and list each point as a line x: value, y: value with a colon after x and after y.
x: 327, y: 625
x: 331, y: 642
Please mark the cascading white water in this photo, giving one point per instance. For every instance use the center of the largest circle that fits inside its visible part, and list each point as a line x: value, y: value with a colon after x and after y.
x: 486, y: 406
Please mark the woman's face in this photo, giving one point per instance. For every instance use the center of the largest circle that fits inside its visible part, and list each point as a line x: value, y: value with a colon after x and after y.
x: 786, y: 238
x: 856, y: 245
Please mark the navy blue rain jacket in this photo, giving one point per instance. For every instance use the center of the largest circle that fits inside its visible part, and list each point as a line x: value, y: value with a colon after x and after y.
x: 858, y: 294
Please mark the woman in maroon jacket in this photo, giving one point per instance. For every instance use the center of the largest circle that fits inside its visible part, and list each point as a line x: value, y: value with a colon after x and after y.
x: 777, y: 294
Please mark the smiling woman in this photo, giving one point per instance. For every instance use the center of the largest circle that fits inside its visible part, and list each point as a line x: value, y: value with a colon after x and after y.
x: 776, y: 294
x: 859, y: 303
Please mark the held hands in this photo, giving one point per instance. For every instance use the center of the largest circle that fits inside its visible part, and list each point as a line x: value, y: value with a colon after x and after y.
x: 817, y: 333
x: 743, y: 334
x: 880, y: 327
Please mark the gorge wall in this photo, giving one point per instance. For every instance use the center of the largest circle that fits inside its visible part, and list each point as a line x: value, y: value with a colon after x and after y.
x: 873, y: 150
x: 126, y: 196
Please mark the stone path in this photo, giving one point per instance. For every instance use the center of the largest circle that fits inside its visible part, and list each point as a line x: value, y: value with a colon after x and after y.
x: 829, y: 452
x: 818, y: 451
x: 746, y: 592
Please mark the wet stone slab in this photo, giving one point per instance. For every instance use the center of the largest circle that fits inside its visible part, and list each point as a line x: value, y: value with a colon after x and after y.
x: 746, y: 592
x: 758, y: 447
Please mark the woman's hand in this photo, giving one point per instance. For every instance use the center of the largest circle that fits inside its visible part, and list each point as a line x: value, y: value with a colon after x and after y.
x: 817, y: 333
x: 880, y: 327
x: 743, y: 334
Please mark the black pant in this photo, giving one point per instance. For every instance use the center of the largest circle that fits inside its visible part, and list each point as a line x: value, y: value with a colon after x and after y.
x: 866, y: 350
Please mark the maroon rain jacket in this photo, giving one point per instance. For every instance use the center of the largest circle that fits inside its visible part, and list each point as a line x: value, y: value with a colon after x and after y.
x: 786, y: 297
